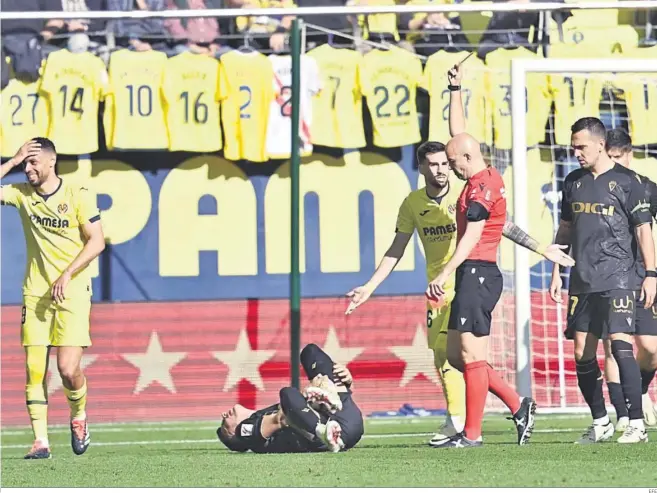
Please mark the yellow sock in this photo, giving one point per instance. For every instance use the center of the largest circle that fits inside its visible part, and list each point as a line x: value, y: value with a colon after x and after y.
x: 77, y: 401
x: 451, y: 378
x: 36, y: 396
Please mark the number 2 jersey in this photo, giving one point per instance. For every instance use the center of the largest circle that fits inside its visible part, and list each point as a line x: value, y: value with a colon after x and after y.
x: 191, y: 90
x: 23, y: 115
x: 74, y: 83
x: 134, y: 113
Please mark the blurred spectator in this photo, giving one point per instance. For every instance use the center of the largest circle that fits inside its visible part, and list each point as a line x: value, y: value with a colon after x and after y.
x: 196, y: 34
x: 140, y: 34
x: 21, y: 39
x: 59, y: 32
x: 377, y: 27
x: 338, y: 22
x: 273, y: 27
x: 433, y: 31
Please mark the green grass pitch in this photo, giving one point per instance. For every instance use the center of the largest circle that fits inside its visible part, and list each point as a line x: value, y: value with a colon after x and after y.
x: 393, y: 453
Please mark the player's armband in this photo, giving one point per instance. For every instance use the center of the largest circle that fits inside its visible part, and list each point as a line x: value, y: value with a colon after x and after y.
x: 476, y: 212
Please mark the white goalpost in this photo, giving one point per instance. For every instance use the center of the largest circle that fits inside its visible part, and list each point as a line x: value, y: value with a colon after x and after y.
x: 523, y: 316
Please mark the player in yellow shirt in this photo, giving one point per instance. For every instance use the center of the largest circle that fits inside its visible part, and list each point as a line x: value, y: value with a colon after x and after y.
x: 63, y: 234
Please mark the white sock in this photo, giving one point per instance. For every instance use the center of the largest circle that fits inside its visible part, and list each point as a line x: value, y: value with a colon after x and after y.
x: 44, y: 441
x: 457, y: 424
x: 637, y: 423
x: 601, y: 421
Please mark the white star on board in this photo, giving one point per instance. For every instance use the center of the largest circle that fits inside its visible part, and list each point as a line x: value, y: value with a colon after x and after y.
x: 54, y: 380
x: 339, y: 354
x: 418, y: 358
x: 243, y: 362
x: 154, y: 365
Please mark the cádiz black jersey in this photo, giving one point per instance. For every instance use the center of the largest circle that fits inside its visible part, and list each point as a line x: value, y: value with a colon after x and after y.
x: 604, y: 213
x: 287, y: 440
x: 651, y: 198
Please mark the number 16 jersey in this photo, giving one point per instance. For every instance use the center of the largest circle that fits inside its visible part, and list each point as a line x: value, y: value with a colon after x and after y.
x: 74, y: 83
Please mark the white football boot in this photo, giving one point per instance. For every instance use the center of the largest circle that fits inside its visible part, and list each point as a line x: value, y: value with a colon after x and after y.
x: 633, y: 434
x: 622, y: 424
x: 649, y: 410
x: 596, y: 434
x: 450, y: 428
x: 329, y: 433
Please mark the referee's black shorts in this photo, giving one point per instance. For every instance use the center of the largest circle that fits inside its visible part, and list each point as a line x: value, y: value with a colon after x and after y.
x: 645, y: 323
x: 478, y: 289
x: 601, y: 314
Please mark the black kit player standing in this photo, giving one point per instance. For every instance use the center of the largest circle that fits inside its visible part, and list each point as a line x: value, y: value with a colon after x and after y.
x: 604, y: 214
x: 294, y: 425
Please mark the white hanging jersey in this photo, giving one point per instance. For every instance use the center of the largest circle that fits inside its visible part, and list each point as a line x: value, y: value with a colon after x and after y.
x: 279, y: 130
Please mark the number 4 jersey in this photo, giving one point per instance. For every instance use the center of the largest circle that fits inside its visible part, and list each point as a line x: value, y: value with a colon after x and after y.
x: 191, y: 90
x: 74, y: 83
x: 279, y: 131
x: 390, y: 79
x: 134, y: 102
x: 23, y: 115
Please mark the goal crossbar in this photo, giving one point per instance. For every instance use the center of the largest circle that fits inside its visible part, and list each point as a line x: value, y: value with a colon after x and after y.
x: 519, y: 70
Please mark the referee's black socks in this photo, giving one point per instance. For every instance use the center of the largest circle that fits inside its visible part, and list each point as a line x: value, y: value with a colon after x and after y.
x: 617, y: 399
x: 589, y: 379
x: 646, y: 378
x: 630, y: 377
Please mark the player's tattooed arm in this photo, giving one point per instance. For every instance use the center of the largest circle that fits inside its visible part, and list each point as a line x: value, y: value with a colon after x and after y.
x: 517, y: 235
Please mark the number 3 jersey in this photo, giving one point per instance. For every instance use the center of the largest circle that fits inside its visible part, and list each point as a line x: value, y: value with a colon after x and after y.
x: 74, y: 83
x: 134, y: 114
x: 390, y: 80
x: 279, y: 131
x: 191, y: 90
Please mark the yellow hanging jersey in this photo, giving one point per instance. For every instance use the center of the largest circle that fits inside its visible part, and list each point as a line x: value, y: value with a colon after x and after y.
x: 537, y: 97
x: 191, y: 90
x: 134, y: 107
x: 435, y: 222
x: 74, y: 84
x: 377, y: 23
x: 338, y: 109
x: 473, y: 92
x: 641, y: 98
x: 577, y: 95
x: 23, y: 115
x: 245, y: 84
x: 389, y: 80
x: 52, y: 234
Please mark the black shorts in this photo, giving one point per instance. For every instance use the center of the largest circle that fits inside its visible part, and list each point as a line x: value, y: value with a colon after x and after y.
x: 351, y: 421
x: 602, y: 314
x: 478, y: 289
x: 645, y: 323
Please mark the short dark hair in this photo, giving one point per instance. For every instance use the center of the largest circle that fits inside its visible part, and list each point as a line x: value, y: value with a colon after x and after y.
x: 231, y: 442
x: 593, y: 125
x: 617, y: 138
x: 429, y: 147
x: 46, y: 144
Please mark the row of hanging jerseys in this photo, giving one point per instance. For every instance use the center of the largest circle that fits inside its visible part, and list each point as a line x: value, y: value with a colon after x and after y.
x: 241, y: 104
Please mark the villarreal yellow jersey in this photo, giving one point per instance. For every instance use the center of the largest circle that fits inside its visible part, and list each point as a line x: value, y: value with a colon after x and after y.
x: 74, y: 84
x: 245, y: 84
x: 435, y: 222
x: 191, y: 90
x: 575, y: 95
x: 23, y: 115
x: 473, y: 93
x: 53, y: 234
x: 134, y: 107
x: 390, y: 79
x: 641, y: 98
x: 338, y: 109
x: 537, y: 97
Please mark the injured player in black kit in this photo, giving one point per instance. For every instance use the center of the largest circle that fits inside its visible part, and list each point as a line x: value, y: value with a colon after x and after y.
x: 324, y: 417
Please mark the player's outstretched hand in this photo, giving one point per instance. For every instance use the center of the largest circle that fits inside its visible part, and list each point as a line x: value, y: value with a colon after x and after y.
x: 59, y: 286
x: 27, y: 150
x: 343, y: 374
x: 555, y: 254
x: 648, y: 290
x: 357, y: 297
x: 555, y: 288
x: 454, y: 75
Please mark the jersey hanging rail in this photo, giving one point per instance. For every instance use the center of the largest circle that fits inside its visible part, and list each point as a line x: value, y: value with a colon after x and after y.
x: 355, y: 10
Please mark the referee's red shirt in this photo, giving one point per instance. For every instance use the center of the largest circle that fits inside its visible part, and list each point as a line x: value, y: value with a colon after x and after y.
x: 486, y: 188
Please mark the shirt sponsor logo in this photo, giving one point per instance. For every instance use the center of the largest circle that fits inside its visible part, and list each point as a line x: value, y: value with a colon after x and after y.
x: 50, y: 222
x: 439, y: 230
x: 592, y: 208
x: 623, y: 305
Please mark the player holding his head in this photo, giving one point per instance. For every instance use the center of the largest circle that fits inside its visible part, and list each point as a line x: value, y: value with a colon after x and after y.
x: 63, y: 234
x: 604, y: 214
x: 619, y: 149
x: 323, y: 418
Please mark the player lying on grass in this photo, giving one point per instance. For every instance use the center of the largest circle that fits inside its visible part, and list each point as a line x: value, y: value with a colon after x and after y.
x: 619, y: 149
x: 604, y: 216
x: 431, y: 211
x: 63, y: 233
x: 322, y: 418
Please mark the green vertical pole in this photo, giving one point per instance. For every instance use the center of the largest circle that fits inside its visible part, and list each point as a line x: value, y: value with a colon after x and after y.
x: 295, y: 162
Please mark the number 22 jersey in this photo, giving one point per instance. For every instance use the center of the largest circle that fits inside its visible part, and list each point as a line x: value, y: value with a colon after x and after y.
x: 74, y: 83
